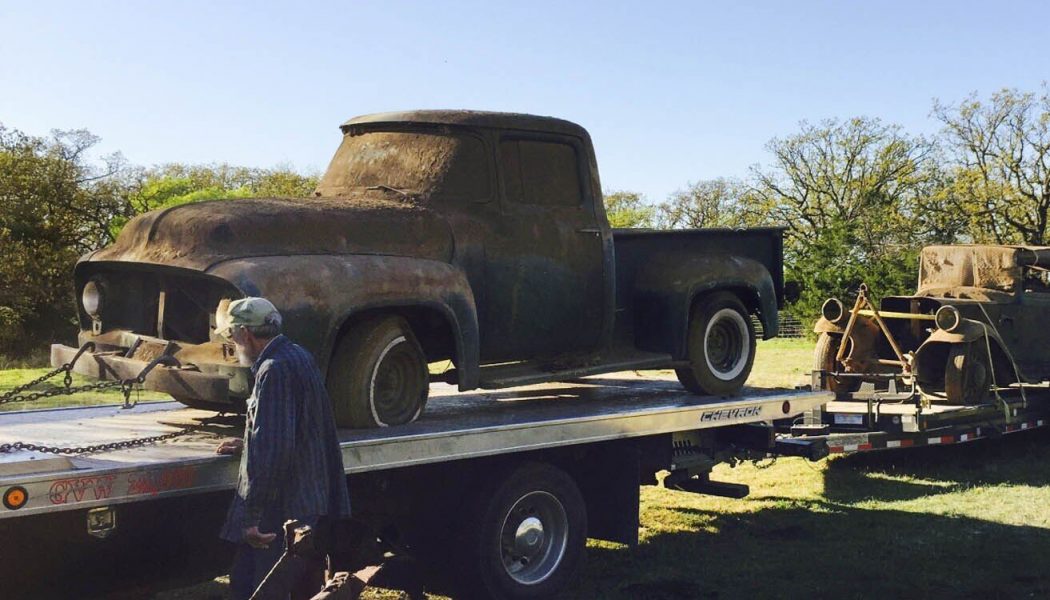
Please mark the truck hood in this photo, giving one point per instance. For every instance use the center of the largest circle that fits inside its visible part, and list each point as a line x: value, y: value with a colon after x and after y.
x: 200, y: 235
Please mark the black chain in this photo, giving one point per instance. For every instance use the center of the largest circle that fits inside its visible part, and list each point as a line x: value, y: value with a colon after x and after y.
x: 12, y: 394
x: 11, y: 397
x: 14, y: 446
x: 16, y: 395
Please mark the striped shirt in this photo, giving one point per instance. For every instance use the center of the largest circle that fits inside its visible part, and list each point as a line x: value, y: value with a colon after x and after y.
x: 291, y: 466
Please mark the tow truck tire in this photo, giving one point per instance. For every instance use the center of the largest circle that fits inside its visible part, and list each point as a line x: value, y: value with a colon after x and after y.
x: 720, y: 346
x: 824, y: 360
x: 967, y: 376
x: 378, y: 376
x: 526, y: 538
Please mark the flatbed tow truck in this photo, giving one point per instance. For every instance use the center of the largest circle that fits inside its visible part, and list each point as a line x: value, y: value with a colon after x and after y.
x: 544, y: 467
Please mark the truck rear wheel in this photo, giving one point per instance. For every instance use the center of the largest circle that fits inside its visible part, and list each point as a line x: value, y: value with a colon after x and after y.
x: 378, y: 376
x: 720, y: 346
x: 526, y: 538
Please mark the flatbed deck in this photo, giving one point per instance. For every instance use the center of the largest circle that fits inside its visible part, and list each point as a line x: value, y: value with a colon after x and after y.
x: 454, y: 426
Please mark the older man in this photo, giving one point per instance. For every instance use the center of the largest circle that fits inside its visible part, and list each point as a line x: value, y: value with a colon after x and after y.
x: 291, y: 466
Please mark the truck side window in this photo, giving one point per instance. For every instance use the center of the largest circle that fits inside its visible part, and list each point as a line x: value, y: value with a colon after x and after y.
x: 544, y: 173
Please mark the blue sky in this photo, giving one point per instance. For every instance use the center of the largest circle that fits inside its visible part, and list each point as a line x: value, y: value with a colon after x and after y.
x: 671, y: 92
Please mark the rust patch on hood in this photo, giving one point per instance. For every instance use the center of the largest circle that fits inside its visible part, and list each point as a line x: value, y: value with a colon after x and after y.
x: 199, y: 235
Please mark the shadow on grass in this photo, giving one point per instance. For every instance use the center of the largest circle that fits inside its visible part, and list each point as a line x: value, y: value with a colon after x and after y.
x: 822, y: 550
x: 908, y: 474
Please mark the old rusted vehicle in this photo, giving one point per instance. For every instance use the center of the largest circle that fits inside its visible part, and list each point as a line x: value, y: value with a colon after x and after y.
x: 472, y: 239
x: 975, y: 325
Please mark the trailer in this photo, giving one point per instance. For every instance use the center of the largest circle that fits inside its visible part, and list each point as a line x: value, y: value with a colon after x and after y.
x: 494, y: 491
x: 883, y: 417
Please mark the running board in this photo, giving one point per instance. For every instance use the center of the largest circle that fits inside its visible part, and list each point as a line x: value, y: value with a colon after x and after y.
x: 529, y: 373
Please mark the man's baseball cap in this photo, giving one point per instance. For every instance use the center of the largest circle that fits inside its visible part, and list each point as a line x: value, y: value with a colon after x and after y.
x: 249, y: 312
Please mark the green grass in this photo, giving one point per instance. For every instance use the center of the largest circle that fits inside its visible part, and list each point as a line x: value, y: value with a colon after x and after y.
x: 969, y: 521
x: 11, y: 378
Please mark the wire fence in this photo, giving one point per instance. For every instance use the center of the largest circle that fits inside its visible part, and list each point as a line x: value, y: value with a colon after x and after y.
x: 790, y: 327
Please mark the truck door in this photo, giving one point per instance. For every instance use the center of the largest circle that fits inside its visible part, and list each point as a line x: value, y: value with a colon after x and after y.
x: 544, y: 270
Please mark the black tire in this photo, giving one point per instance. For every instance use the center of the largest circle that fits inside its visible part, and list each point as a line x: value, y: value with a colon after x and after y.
x: 824, y: 359
x: 525, y: 538
x: 967, y: 376
x: 720, y: 346
x: 378, y: 375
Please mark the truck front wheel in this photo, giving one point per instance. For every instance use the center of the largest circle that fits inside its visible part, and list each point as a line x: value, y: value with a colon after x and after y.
x: 720, y: 345
x: 378, y: 375
x: 527, y: 537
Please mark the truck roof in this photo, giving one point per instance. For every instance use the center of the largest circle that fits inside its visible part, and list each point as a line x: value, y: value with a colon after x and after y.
x: 473, y: 118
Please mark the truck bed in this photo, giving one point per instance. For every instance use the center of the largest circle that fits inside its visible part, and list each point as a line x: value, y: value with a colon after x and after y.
x: 454, y: 426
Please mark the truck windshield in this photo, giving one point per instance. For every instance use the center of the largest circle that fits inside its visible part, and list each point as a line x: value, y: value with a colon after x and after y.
x: 427, y: 165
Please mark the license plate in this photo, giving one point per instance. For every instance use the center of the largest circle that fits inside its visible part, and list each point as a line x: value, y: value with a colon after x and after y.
x: 849, y: 419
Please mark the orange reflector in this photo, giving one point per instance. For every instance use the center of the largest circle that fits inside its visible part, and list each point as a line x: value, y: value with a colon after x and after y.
x: 15, y: 498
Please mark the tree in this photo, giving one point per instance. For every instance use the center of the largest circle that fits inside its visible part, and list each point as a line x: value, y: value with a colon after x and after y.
x: 55, y: 205
x: 628, y: 209
x: 850, y: 194
x: 1001, y: 178
x: 708, y: 203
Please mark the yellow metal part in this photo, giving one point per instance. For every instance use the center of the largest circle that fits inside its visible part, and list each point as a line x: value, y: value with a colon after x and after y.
x: 858, y: 309
x: 896, y: 315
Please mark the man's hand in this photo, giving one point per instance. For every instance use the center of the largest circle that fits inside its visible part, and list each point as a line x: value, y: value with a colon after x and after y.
x: 257, y: 539
x: 232, y: 446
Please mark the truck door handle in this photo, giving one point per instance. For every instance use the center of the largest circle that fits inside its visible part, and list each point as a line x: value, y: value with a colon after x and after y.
x: 589, y: 230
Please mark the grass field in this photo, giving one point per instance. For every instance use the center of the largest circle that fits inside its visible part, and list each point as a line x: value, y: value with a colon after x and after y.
x: 969, y: 521
x: 13, y: 377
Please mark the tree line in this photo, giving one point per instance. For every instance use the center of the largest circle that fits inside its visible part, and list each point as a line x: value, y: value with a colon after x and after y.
x: 58, y: 202
x: 858, y: 198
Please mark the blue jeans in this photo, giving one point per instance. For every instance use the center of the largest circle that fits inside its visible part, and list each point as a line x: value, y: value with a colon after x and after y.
x: 251, y: 565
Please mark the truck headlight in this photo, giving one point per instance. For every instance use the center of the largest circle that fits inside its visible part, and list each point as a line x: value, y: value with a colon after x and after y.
x: 92, y: 298
x: 947, y: 318
x: 832, y: 310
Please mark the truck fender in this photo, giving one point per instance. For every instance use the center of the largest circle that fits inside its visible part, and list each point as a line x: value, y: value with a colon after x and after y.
x: 666, y: 291
x: 825, y: 326
x: 319, y: 295
x: 930, y: 357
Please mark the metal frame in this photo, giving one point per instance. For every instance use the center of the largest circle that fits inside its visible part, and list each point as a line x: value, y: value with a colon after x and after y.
x: 456, y: 427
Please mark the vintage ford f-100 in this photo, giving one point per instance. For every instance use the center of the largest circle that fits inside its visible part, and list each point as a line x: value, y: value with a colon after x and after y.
x: 473, y: 239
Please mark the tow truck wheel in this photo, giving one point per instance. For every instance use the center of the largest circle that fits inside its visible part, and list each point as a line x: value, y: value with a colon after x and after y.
x: 378, y: 375
x: 526, y: 538
x: 966, y: 375
x: 720, y: 345
x: 824, y: 360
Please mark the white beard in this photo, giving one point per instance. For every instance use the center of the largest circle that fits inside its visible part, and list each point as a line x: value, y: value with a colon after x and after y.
x: 243, y: 357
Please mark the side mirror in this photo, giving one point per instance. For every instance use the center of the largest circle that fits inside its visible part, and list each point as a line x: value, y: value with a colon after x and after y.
x: 792, y: 291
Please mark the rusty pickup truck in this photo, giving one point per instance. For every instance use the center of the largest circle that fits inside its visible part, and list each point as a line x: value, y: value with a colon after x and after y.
x: 459, y: 246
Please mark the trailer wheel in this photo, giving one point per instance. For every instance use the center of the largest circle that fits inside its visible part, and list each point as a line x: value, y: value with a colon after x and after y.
x: 378, y: 375
x: 824, y: 359
x: 720, y: 345
x: 967, y: 376
x: 527, y: 537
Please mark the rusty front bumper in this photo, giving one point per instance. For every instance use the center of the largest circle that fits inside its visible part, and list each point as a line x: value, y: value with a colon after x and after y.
x: 210, y: 383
